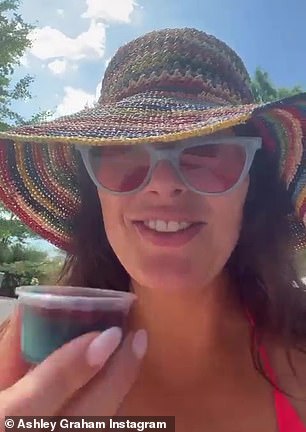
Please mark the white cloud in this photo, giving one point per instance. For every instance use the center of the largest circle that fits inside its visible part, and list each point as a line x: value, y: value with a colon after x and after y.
x: 74, y: 100
x: 49, y: 42
x: 58, y: 67
x: 60, y: 12
x: 114, y: 10
x: 98, y: 89
x: 99, y: 86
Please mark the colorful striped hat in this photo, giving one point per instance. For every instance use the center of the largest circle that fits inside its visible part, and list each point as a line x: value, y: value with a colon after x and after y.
x: 166, y: 86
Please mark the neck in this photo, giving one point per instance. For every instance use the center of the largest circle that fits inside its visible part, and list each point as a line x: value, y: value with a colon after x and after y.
x: 189, y: 332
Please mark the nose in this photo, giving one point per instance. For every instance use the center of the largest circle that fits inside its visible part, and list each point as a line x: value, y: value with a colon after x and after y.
x: 165, y: 181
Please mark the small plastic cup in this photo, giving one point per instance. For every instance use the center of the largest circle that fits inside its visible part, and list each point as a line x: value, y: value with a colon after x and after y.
x: 54, y: 315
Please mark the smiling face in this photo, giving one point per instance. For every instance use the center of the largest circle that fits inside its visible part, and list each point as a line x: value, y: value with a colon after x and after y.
x: 186, y: 259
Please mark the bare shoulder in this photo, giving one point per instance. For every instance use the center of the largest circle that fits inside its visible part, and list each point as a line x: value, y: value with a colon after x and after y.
x: 293, y: 382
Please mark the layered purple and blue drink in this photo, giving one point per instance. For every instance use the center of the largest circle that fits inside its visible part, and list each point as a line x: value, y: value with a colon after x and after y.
x: 54, y: 315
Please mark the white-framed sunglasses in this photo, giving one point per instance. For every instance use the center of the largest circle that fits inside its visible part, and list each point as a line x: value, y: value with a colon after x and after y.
x: 208, y: 166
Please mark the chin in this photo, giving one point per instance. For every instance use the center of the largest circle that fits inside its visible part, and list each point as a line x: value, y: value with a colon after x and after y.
x: 168, y: 275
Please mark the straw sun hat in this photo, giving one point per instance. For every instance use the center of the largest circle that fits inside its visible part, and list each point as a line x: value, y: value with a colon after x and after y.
x: 166, y: 86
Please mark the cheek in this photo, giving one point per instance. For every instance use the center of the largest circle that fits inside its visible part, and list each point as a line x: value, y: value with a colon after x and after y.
x: 112, y: 215
x: 228, y: 214
x: 113, y: 210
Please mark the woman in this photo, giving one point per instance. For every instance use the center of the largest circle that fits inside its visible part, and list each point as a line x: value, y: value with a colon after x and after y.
x: 178, y: 187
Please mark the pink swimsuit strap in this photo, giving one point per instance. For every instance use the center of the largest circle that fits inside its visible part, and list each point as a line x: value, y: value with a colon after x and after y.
x: 288, y: 419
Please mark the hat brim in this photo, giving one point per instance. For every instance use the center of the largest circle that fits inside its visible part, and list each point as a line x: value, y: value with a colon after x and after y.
x: 39, y: 164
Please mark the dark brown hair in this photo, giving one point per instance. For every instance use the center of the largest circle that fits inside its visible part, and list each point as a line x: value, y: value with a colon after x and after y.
x: 262, y: 265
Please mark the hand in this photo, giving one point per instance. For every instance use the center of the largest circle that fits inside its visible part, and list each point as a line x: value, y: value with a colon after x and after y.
x: 76, y: 379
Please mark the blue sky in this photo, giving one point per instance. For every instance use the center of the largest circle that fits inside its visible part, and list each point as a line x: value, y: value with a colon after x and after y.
x: 75, y: 39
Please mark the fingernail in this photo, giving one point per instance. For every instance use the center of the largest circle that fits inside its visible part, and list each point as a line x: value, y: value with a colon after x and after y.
x: 101, y: 348
x: 140, y: 343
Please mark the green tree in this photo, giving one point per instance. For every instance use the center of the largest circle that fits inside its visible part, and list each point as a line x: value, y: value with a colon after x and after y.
x: 12, y: 230
x: 14, y: 41
x: 265, y: 91
x: 29, y: 267
x: 21, y: 263
x: 14, y: 37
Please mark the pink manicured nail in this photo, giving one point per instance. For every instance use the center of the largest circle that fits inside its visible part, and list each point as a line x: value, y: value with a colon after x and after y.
x: 101, y: 348
x: 140, y: 343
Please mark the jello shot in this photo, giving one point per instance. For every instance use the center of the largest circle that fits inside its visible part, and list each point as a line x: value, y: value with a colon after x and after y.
x: 54, y: 315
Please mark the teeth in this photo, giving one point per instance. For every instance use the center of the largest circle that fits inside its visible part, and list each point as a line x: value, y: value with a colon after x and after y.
x: 163, y: 226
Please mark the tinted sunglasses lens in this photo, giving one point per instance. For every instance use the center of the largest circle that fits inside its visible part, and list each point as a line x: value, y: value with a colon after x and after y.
x: 213, y: 168
x: 120, y: 168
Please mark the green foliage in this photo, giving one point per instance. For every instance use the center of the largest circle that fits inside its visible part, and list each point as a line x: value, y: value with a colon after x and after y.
x: 35, y: 267
x: 12, y: 230
x: 14, y: 37
x: 14, y: 40
x: 21, y: 263
x: 265, y: 91
x: 40, y: 117
x: 24, y: 265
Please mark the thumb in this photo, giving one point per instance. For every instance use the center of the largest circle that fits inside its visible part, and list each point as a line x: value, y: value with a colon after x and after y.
x: 12, y: 365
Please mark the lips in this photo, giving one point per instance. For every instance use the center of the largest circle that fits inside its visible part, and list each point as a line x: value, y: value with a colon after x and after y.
x: 168, y: 239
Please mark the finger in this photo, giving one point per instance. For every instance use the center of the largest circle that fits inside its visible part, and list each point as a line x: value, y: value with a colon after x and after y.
x: 45, y: 389
x: 12, y: 365
x: 104, y: 394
